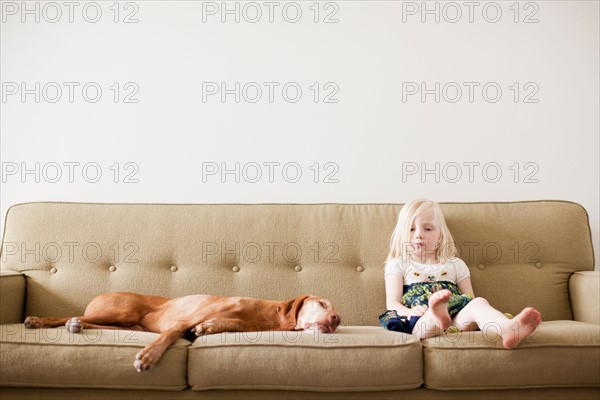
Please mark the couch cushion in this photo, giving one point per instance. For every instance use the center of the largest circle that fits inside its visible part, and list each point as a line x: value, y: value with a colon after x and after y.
x: 92, y: 359
x: 558, y: 354
x: 546, y: 285
x: 355, y: 358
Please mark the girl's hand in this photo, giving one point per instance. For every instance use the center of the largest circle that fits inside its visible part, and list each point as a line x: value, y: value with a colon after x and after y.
x: 417, y: 311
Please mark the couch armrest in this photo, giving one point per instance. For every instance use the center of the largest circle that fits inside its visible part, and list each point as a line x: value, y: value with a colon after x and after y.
x: 12, y: 297
x: 584, y: 290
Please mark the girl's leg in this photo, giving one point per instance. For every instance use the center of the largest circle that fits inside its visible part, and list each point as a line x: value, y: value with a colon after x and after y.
x: 436, y: 319
x: 513, y: 331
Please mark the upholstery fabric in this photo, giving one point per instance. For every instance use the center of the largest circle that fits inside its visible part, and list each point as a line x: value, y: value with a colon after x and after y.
x: 12, y: 287
x: 71, y: 252
x: 353, y: 359
x: 92, y: 359
x: 559, y: 353
x: 584, y: 289
x: 519, y: 254
x: 512, y: 287
x: 578, y: 393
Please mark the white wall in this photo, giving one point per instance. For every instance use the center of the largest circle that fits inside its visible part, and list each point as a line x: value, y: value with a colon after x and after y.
x: 366, y: 138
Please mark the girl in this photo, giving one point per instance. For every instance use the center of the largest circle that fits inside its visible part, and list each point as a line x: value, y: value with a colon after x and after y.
x: 426, y: 283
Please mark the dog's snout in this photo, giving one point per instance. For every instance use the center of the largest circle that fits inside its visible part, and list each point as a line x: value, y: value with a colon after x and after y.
x: 335, y: 319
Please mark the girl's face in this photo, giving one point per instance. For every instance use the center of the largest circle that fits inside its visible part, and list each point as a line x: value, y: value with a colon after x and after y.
x: 425, y: 238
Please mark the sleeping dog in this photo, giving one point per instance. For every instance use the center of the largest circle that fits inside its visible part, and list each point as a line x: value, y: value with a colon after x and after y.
x: 199, y: 314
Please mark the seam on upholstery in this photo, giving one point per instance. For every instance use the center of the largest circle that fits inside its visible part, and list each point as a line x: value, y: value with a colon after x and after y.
x: 315, y: 388
x: 128, y: 345
x: 315, y: 204
x: 511, y: 387
x: 303, y: 346
x: 300, y: 204
x: 71, y: 386
x: 538, y: 346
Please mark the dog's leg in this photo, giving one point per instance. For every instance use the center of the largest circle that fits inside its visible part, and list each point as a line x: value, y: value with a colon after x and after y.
x: 37, y: 323
x: 77, y: 324
x: 218, y: 325
x: 151, y: 354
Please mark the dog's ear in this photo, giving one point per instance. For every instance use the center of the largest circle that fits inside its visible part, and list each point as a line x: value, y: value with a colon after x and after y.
x: 297, y: 305
x: 288, y: 312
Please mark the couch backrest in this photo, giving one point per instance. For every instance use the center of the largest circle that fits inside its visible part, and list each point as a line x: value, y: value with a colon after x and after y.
x: 519, y: 253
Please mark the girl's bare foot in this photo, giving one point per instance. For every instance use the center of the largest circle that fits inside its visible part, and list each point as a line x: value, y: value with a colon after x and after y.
x: 438, y: 304
x: 521, y: 326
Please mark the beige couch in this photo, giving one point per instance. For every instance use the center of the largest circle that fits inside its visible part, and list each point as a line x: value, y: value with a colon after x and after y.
x: 57, y: 256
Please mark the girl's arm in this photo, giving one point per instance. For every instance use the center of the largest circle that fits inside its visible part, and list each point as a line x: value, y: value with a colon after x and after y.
x: 393, y: 294
x: 465, y: 286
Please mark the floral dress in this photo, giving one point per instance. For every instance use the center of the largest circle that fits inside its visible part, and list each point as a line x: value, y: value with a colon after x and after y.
x: 418, y: 294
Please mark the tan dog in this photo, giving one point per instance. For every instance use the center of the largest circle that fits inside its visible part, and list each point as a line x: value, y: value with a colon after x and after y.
x: 200, y: 314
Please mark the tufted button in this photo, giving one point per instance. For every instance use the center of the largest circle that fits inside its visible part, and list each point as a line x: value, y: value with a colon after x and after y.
x: 297, y: 268
x: 481, y: 267
x: 235, y: 268
x: 360, y: 268
x: 53, y: 270
x: 112, y: 268
x: 174, y: 268
x: 538, y: 265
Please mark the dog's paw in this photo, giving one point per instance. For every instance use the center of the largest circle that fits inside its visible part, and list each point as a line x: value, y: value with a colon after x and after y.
x: 146, y: 359
x: 199, y: 330
x: 140, y: 366
x: 74, y: 325
x: 205, y: 328
x: 32, y: 322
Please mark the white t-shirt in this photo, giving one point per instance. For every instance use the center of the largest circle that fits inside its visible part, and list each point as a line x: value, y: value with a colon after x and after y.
x: 454, y: 270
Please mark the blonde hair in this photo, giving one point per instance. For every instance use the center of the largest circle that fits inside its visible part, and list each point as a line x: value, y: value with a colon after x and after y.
x: 401, y: 236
